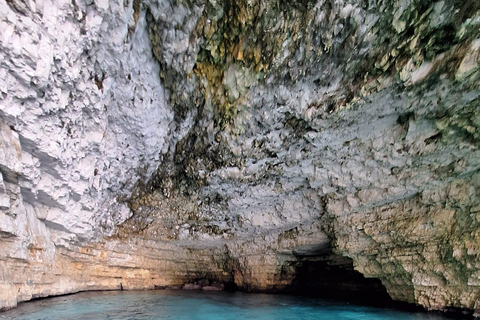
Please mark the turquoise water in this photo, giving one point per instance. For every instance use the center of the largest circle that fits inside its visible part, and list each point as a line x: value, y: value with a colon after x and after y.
x: 183, y: 305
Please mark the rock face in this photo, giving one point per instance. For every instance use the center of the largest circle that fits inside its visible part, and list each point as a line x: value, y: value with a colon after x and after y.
x: 268, y: 145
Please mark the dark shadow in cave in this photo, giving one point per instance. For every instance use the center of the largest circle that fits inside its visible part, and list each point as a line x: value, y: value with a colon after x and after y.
x: 322, y: 273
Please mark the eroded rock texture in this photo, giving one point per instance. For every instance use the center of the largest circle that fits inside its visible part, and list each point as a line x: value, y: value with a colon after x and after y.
x: 271, y: 145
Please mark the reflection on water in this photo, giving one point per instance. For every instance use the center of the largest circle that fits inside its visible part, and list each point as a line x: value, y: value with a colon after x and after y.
x: 181, y: 305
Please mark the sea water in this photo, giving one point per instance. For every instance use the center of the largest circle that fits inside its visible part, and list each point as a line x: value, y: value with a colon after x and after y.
x: 182, y: 305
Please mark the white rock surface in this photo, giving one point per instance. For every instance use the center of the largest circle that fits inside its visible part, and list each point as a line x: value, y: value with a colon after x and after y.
x: 83, y: 117
x: 84, y: 107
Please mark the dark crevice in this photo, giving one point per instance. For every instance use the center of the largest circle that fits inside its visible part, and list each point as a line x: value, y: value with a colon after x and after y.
x: 321, y: 273
x: 328, y: 280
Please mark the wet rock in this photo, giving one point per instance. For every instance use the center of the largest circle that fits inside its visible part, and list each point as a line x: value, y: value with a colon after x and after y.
x: 213, y: 288
x: 191, y: 286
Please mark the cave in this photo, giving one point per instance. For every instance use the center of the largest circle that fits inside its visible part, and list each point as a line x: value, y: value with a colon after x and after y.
x: 321, y: 148
x: 327, y: 275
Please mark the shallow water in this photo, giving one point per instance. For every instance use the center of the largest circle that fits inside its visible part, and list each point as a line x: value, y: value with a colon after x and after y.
x: 181, y: 305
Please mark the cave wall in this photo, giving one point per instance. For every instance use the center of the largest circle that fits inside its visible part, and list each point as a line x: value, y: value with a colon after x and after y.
x: 155, y: 143
x: 80, y: 105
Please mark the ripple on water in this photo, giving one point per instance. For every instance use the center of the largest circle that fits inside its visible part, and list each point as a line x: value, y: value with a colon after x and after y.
x: 183, y: 305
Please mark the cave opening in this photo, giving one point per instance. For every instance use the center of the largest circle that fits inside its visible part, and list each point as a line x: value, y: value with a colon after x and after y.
x: 320, y: 272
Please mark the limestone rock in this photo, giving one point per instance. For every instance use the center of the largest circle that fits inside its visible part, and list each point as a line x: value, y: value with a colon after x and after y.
x: 148, y: 144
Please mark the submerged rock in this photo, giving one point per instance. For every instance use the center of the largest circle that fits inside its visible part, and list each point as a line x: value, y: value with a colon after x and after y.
x: 256, y: 144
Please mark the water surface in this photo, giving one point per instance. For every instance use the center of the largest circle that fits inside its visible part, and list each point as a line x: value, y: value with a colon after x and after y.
x: 198, y: 305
